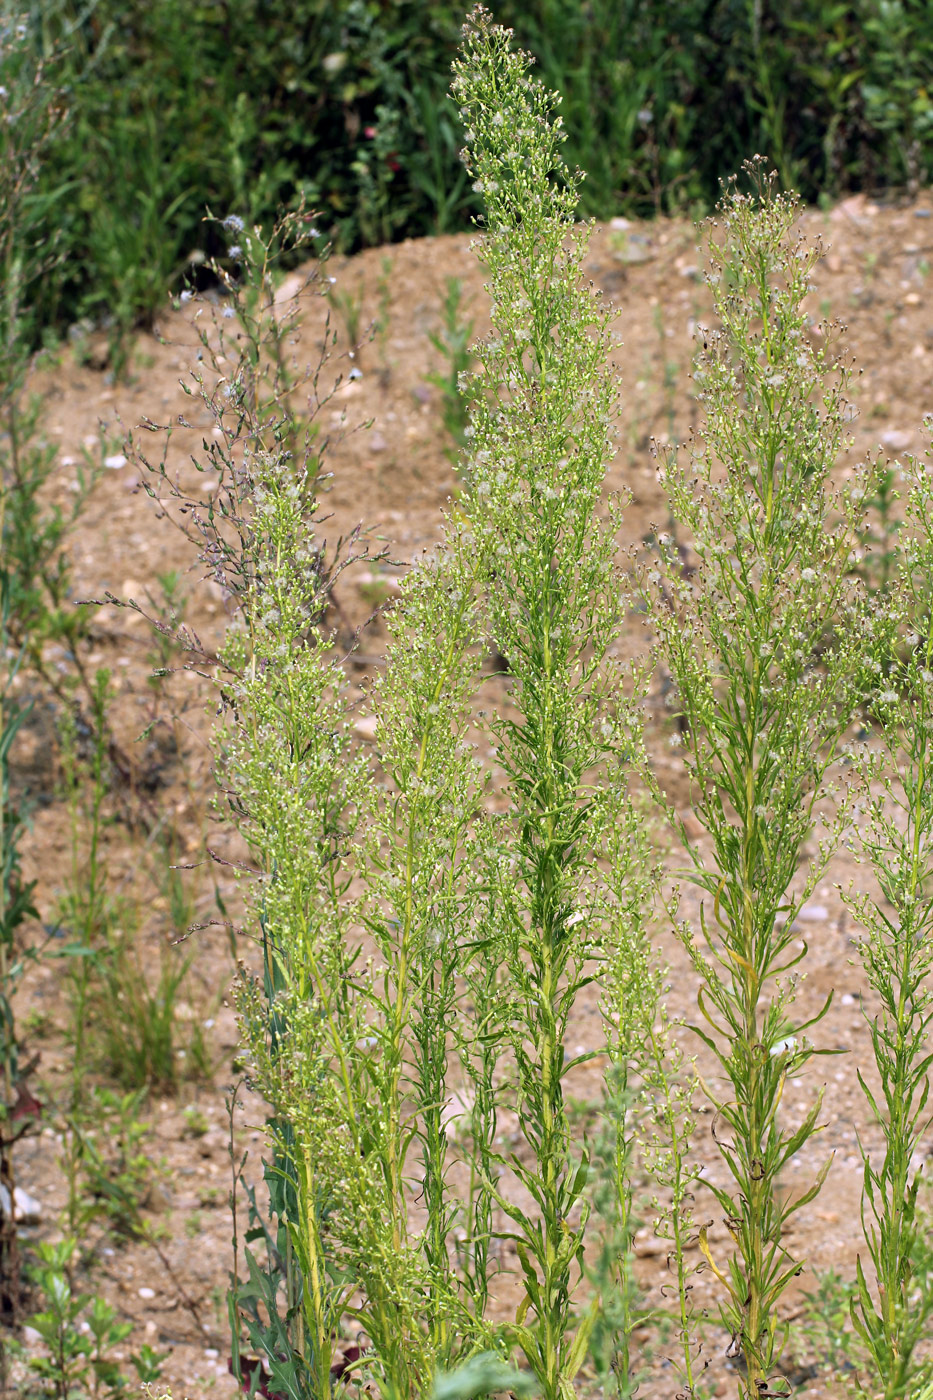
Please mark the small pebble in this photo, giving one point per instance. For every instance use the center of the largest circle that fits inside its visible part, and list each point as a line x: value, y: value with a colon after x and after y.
x: 28, y: 1210
x: 848, y: 999
x: 815, y: 913
x: 115, y: 462
x: 147, y: 1293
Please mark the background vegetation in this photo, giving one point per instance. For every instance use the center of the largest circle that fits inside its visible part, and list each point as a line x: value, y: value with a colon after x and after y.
x: 169, y: 106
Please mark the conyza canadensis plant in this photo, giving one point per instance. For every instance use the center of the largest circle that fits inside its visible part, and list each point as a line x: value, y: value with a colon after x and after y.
x: 763, y: 636
x: 387, y: 1056
x: 892, y: 1308
x: 540, y: 439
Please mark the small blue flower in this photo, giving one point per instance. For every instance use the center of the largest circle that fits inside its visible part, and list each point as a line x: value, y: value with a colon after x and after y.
x: 234, y: 222
x: 236, y: 251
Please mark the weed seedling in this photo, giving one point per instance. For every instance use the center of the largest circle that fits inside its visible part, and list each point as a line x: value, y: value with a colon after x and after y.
x: 108, y: 1171
x: 825, y: 1326
x: 383, y: 319
x: 80, y: 1332
x: 349, y: 307
x: 453, y: 343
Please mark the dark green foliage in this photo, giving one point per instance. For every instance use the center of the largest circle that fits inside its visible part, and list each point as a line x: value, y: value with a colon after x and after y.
x: 168, y: 107
x: 172, y: 107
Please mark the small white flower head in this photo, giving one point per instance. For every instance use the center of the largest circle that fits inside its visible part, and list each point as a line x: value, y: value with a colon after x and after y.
x: 228, y: 313
x: 234, y: 223
x: 236, y: 251
x: 186, y: 296
x: 355, y: 373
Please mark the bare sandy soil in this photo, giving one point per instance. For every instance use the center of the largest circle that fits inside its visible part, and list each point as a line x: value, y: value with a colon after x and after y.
x: 394, y: 478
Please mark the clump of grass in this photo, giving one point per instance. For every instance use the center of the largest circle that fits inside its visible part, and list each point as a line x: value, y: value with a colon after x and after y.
x: 137, y: 1034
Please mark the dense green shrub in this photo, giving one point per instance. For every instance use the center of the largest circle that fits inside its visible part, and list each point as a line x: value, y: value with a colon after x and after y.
x: 245, y: 107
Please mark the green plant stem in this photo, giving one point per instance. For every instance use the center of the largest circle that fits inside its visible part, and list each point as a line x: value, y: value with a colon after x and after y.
x: 538, y: 449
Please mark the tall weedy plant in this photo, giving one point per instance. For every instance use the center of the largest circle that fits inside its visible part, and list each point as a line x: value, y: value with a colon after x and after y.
x: 763, y: 640
x: 290, y: 783
x: 354, y: 1058
x: 540, y: 441
x: 897, y: 954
